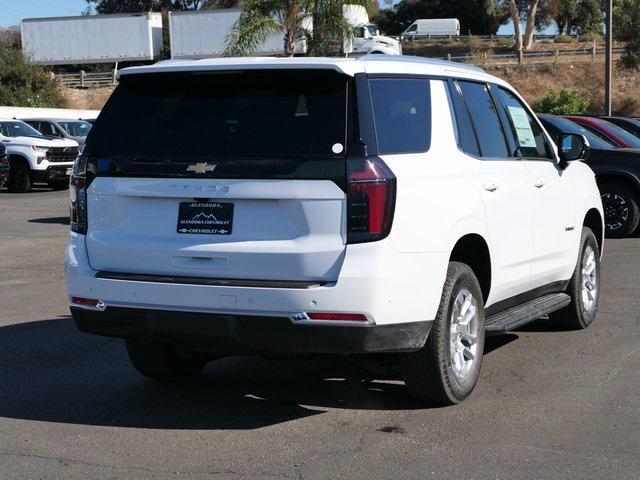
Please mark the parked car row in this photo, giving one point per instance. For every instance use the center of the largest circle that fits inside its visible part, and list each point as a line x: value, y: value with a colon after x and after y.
x: 614, y: 156
x: 41, y: 150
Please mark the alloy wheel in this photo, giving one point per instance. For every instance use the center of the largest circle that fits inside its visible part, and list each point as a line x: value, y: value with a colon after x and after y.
x: 589, y: 289
x: 463, y: 334
x: 616, y: 210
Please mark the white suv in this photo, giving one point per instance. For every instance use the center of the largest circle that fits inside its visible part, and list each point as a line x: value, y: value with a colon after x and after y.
x: 35, y: 157
x: 333, y: 206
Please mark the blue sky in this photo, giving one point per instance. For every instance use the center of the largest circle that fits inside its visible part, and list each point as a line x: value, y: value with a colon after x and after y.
x: 11, y: 11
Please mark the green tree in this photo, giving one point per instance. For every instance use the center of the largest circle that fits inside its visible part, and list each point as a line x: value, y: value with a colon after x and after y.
x: 589, y: 17
x: 626, y: 27
x: 571, y: 16
x: 564, y: 14
x: 561, y: 12
x: 25, y: 84
x: 292, y: 18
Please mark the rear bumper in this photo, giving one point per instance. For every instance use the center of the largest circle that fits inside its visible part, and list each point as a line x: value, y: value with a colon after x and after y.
x: 374, y: 280
x: 245, y: 334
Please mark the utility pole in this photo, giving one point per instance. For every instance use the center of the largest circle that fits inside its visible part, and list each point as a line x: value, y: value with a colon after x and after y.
x: 608, y: 58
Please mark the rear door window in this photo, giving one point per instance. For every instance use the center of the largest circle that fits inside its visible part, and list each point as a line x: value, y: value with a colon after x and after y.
x: 485, y: 119
x: 466, y: 135
x: 402, y: 114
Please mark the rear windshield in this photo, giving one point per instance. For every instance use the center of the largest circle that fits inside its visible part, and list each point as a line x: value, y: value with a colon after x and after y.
x: 194, y: 115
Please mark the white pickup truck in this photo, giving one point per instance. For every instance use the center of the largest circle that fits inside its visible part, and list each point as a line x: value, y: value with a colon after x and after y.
x: 368, y: 40
x: 35, y: 157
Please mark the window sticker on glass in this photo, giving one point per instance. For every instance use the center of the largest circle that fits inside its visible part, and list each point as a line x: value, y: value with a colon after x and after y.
x: 523, y: 128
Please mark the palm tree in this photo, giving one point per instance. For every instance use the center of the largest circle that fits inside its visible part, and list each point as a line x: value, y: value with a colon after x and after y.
x: 292, y: 18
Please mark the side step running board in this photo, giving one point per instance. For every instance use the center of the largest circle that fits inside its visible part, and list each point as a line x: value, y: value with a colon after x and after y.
x: 527, y: 312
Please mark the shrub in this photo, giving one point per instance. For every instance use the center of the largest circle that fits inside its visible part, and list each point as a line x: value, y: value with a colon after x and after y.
x: 563, y: 39
x: 427, y: 41
x: 23, y: 84
x: 505, y: 42
x: 591, y: 37
x: 565, y: 102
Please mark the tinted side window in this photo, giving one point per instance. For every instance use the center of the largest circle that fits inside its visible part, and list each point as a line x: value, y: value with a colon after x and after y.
x: 402, y: 113
x: 485, y: 119
x: 598, y: 133
x: 47, y: 128
x: 552, y: 129
x: 530, y: 140
x: 466, y: 136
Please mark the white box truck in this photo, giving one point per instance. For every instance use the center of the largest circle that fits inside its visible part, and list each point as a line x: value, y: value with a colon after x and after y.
x: 92, y: 38
x: 435, y: 27
x: 201, y: 34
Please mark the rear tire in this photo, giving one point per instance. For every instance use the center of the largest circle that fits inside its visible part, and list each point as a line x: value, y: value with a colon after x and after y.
x: 584, y: 286
x: 621, y: 208
x: 161, y: 362
x: 446, y: 369
x: 19, y: 177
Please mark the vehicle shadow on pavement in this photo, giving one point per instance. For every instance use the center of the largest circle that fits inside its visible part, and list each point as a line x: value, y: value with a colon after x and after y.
x: 544, y: 324
x: 52, y: 372
x: 51, y: 220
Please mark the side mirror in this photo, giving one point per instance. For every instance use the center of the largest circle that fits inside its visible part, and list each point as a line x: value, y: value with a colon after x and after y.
x: 572, y: 146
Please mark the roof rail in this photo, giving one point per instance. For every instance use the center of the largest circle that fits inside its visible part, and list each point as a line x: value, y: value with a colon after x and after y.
x: 422, y: 60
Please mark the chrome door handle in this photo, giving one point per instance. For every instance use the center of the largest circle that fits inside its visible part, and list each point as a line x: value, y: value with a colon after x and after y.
x: 491, y: 186
x: 539, y: 183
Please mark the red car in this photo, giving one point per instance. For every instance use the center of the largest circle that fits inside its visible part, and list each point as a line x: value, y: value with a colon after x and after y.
x: 607, y: 131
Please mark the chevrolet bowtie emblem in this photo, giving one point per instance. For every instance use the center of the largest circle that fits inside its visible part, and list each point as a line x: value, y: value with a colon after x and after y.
x: 201, y: 167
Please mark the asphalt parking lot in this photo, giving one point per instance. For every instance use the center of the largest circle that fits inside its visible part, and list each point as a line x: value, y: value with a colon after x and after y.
x: 550, y: 403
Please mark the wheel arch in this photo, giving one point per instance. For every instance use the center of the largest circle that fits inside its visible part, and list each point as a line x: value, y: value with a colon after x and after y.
x: 473, y: 250
x: 623, y: 178
x: 18, y: 157
x: 593, y: 220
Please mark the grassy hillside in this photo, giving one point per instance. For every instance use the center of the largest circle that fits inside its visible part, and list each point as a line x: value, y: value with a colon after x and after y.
x: 535, y: 81
x: 532, y: 81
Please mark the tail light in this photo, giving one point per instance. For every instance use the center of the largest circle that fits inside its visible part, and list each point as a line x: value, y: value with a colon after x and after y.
x: 89, y: 302
x: 371, y: 199
x: 78, y: 196
x: 336, y: 316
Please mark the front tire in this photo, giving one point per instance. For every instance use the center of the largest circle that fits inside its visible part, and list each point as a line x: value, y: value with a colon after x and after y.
x: 446, y: 369
x: 19, y: 177
x: 621, y: 210
x: 161, y: 362
x: 584, y: 286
